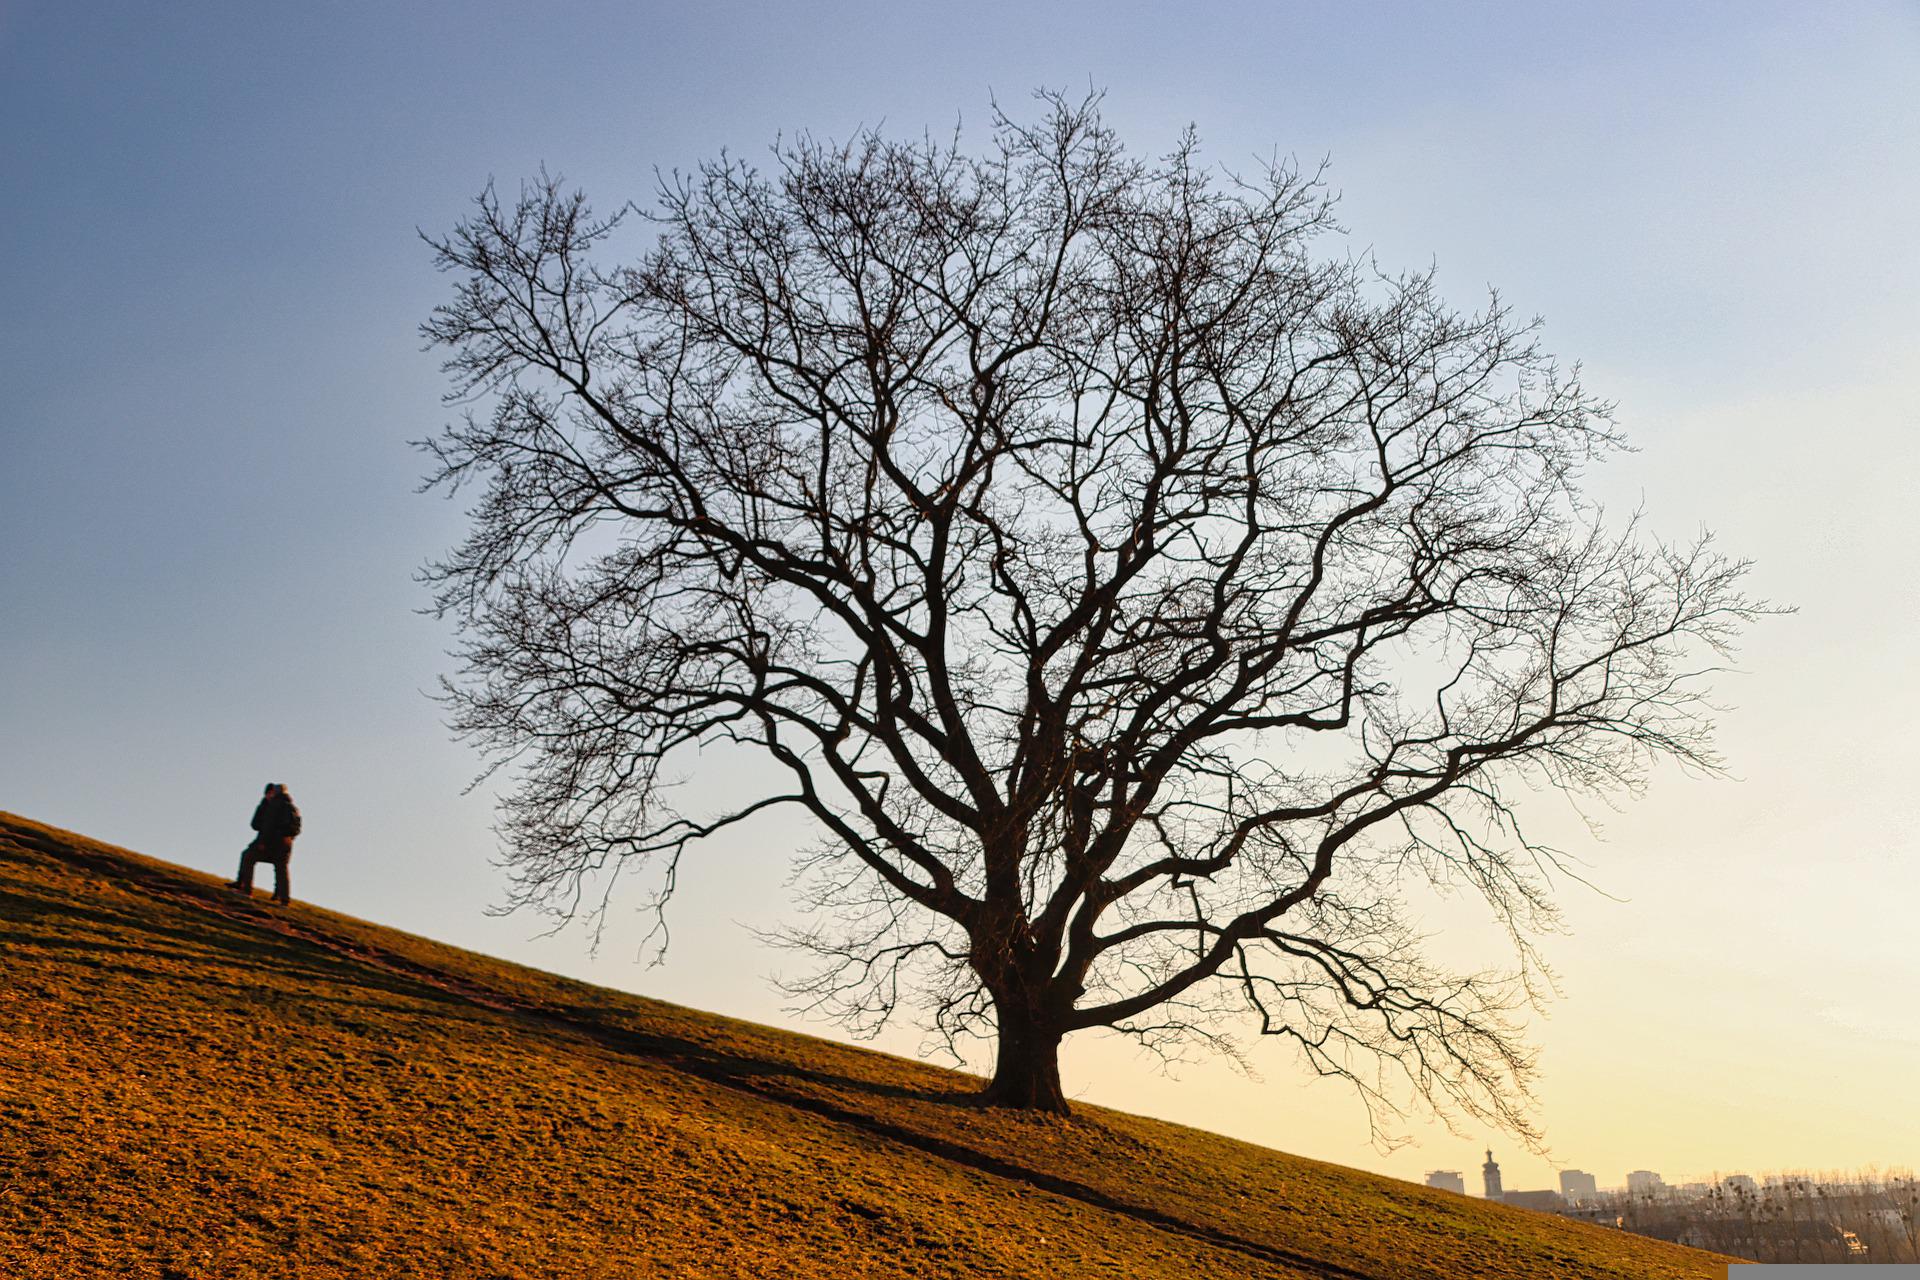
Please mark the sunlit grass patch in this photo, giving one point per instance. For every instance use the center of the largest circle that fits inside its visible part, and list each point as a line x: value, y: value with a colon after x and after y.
x: 192, y: 1086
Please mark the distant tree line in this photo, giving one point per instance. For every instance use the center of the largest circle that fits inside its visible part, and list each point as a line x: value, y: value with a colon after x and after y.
x: 1863, y: 1216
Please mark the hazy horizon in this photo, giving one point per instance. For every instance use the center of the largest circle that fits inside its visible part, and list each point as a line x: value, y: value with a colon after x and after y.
x: 210, y: 526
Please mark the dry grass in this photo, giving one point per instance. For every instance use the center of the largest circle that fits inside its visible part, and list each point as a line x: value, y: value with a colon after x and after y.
x: 196, y: 1086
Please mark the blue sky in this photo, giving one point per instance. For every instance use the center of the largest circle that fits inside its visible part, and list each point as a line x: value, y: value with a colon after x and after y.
x: 208, y: 524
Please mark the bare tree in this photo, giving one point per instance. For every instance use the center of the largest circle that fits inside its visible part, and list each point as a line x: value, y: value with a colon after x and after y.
x: 1135, y: 600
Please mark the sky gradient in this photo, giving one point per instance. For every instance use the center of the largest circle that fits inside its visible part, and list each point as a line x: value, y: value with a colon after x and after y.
x: 209, y: 530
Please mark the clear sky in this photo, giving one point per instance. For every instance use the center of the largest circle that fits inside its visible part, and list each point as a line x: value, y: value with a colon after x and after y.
x: 208, y: 528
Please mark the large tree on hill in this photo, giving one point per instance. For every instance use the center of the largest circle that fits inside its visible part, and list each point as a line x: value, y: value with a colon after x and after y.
x: 1136, y: 602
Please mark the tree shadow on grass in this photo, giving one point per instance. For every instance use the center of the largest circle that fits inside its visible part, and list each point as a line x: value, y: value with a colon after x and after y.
x: 772, y: 1082
x: 197, y: 954
x: 200, y: 968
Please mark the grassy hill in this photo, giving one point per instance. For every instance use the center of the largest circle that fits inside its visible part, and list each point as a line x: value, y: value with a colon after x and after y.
x: 192, y: 1085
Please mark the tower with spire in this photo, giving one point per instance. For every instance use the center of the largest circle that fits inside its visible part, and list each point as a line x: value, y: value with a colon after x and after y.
x: 1490, y: 1171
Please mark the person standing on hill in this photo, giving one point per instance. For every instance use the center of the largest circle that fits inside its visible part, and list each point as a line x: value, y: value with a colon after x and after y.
x: 277, y: 822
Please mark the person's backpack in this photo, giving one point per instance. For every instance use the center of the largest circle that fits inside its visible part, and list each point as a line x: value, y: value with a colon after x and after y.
x: 292, y: 821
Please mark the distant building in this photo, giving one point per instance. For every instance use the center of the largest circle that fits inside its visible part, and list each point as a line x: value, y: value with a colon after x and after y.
x: 1544, y: 1201
x: 1490, y: 1176
x: 1740, y: 1184
x: 1645, y: 1182
x: 1578, y: 1185
x: 1448, y: 1180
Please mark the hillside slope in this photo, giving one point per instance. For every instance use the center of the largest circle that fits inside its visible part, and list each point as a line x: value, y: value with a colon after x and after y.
x: 193, y: 1086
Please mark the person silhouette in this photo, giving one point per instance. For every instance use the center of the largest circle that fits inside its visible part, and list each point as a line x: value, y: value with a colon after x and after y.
x: 277, y: 822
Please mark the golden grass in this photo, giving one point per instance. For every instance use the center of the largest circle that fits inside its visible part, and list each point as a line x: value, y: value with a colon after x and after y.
x: 196, y: 1086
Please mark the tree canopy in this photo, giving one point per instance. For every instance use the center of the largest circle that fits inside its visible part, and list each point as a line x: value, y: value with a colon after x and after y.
x: 1139, y: 599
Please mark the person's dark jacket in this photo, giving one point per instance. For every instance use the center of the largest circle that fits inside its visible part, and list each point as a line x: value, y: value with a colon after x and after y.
x: 278, y: 822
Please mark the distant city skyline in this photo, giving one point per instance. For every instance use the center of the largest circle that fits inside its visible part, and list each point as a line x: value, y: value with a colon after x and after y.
x: 1864, y: 1215
x: 1576, y: 1185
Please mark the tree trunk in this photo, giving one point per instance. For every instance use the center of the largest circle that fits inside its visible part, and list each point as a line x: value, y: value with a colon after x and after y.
x: 1026, y: 1073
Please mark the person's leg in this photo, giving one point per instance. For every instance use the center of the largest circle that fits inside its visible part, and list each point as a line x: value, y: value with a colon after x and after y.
x: 244, y: 881
x: 282, y: 881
